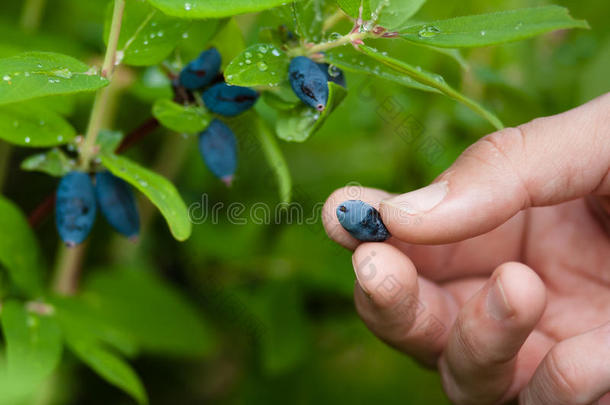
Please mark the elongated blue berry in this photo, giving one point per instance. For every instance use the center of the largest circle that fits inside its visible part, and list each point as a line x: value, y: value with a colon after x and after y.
x: 333, y: 73
x: 218, y: 148
x: 308, y: 82
x: 228, y: 100
x: 201, y: 71
x: 117, y: 203
x: 362, y: 221
x: 75, y: 208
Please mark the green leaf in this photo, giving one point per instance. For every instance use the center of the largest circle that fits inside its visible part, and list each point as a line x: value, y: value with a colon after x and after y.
x: 309, y: 16
x: 108, y: 365
x: 190, y: 119
x: 33, y: 344
x: 26, y: 125
x: 432, y: 80
x: 197, y: 37
x: 19, y: 251
x: 109, y: 140
x: 351, y: 7
x: 212, y: 8
x: 258, y: 65
x: 158, y: 318
x: 281, y: 98
x: 157, y: 188
x: 38, y: 74
x: 393, y: 13
x: 53, y: 162
x: 147, y: 36
x: 490, y: 29
x: 151, y: 85
x: 302, y: 122
x: 229, y: 41
x: 351, y: 60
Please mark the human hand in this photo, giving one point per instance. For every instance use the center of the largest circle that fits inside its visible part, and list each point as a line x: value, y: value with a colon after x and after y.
x: 499, y: 272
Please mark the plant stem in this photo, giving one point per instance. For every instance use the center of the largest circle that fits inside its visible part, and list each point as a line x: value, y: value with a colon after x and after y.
x: 67, y: 268
x: 344, y: 40
x: 87, y: 149
x: 332, y: 20
x: 31, y: 14
x: 5, y: 157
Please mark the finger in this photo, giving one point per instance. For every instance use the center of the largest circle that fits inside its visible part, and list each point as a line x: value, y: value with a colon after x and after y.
x: 406, y: 311
x: 475, y: 256
x: 544, y: 162
x: 575, y: 371
x: 479, y: 362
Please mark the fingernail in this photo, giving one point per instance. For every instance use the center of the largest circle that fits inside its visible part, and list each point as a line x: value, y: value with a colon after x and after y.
x: 497, y: 304
x: 357, y: 269
x: 422, y: 200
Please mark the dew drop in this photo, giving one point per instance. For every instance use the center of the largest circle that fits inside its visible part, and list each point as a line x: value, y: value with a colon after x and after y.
x: 188, y: 6
x: 275, y: 52
x: 27, y: 139
x: 6, y: 78
x: 335, y: 36
x: 482, y: 33
x: 262, y: 49
x: 185, y: 35
x: 248, y: 61
x: 518, y: 26
x: 262, y: 66
x: 60, y: 138
x: 428, y: 31
x: 333, y: 71
x: 160, y: 34
x: 248, y: 55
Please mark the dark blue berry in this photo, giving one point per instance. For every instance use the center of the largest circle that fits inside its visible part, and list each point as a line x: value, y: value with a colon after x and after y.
x: 218, y: 148
x: 75, y: 208
x: 333, y: 73
x: 308, y: 82
x: 201, y: 71
x: 117, y: 203
x: 362, y: 221
x: 227, y: 100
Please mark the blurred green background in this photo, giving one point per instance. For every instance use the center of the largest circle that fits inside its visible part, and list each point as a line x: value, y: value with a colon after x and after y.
x: 276, y: 298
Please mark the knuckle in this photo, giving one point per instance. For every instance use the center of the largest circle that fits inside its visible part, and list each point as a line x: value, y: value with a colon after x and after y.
x: 563, y: 377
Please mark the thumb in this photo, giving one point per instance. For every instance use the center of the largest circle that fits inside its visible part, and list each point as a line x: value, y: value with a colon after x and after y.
x: 546, y: 161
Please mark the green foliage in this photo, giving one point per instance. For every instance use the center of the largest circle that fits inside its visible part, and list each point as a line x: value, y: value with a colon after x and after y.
x: 54, y: 162
x: 190, y: 119
x: 258, y: 65
x: 26, y: 125
x: 37, y: 74
x: 392, y: 13
x: 158, y: 189
x: 491, y: 29
x: 212, y: 8
x: 108, y: 141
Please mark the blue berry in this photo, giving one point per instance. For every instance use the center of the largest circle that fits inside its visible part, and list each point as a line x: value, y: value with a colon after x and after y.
x: 117, y: 203
x: 201, y: 71
x: 333, y: 73
x: 362, y: 221
x: 308, y: 82
x: 75, y: 208
x: 228, y: 100
x: 218, y: 147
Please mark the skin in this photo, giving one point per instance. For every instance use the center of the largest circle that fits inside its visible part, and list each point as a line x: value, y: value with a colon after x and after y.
x: 499, y: 274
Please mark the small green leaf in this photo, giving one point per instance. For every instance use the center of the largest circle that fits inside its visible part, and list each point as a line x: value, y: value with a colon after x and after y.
x: 53, y: 162
x: 393, y: 13
x: 302, y: 122
x: 38, y: 74
x: 151, y: 85
x: 281, y: 98
x: 212, y: 8
x: 351, y: 7
x: 109, y: 140
x: 147, y: 35
x: 493, y: 28
x: 258, y: 65
x: 157, y: 188
x: 432, y: 80
x: 190, y: 119
x: 309, y: 16
x: 19, y: 251
x: 108, y: 365
x: 197, y: 37
x: 33, y: 344
x: 26, y: 125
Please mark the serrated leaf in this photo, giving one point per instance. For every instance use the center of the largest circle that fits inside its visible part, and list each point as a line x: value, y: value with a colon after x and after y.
x: 212, y: 8
x: 147, y: 36
x: 351, y: 60
x: 258, y: 65
x: 33, y: 344
x: 392, y: 13
x: 19, y: 251
x: 38, y: 74
x: 109, y: 140
x: 53, y: 162
x: 432, y: 80
x: 302, y: 122
x: 108, y: 365
x: 190, y: 119
x: 26, y: 125
x: 491, y: 29
x: 351, y: 7
x: 158, y: 189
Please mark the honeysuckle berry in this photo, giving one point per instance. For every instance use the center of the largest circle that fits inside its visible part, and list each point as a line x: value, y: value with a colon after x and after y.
x: 229, y: 101
x: 201, y: 71
x: 117, y: 203
x: 308, y: 82
x: 218, y: 147
x: 362, y: 221
x: 333, y: 73
x: 75, y: 207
